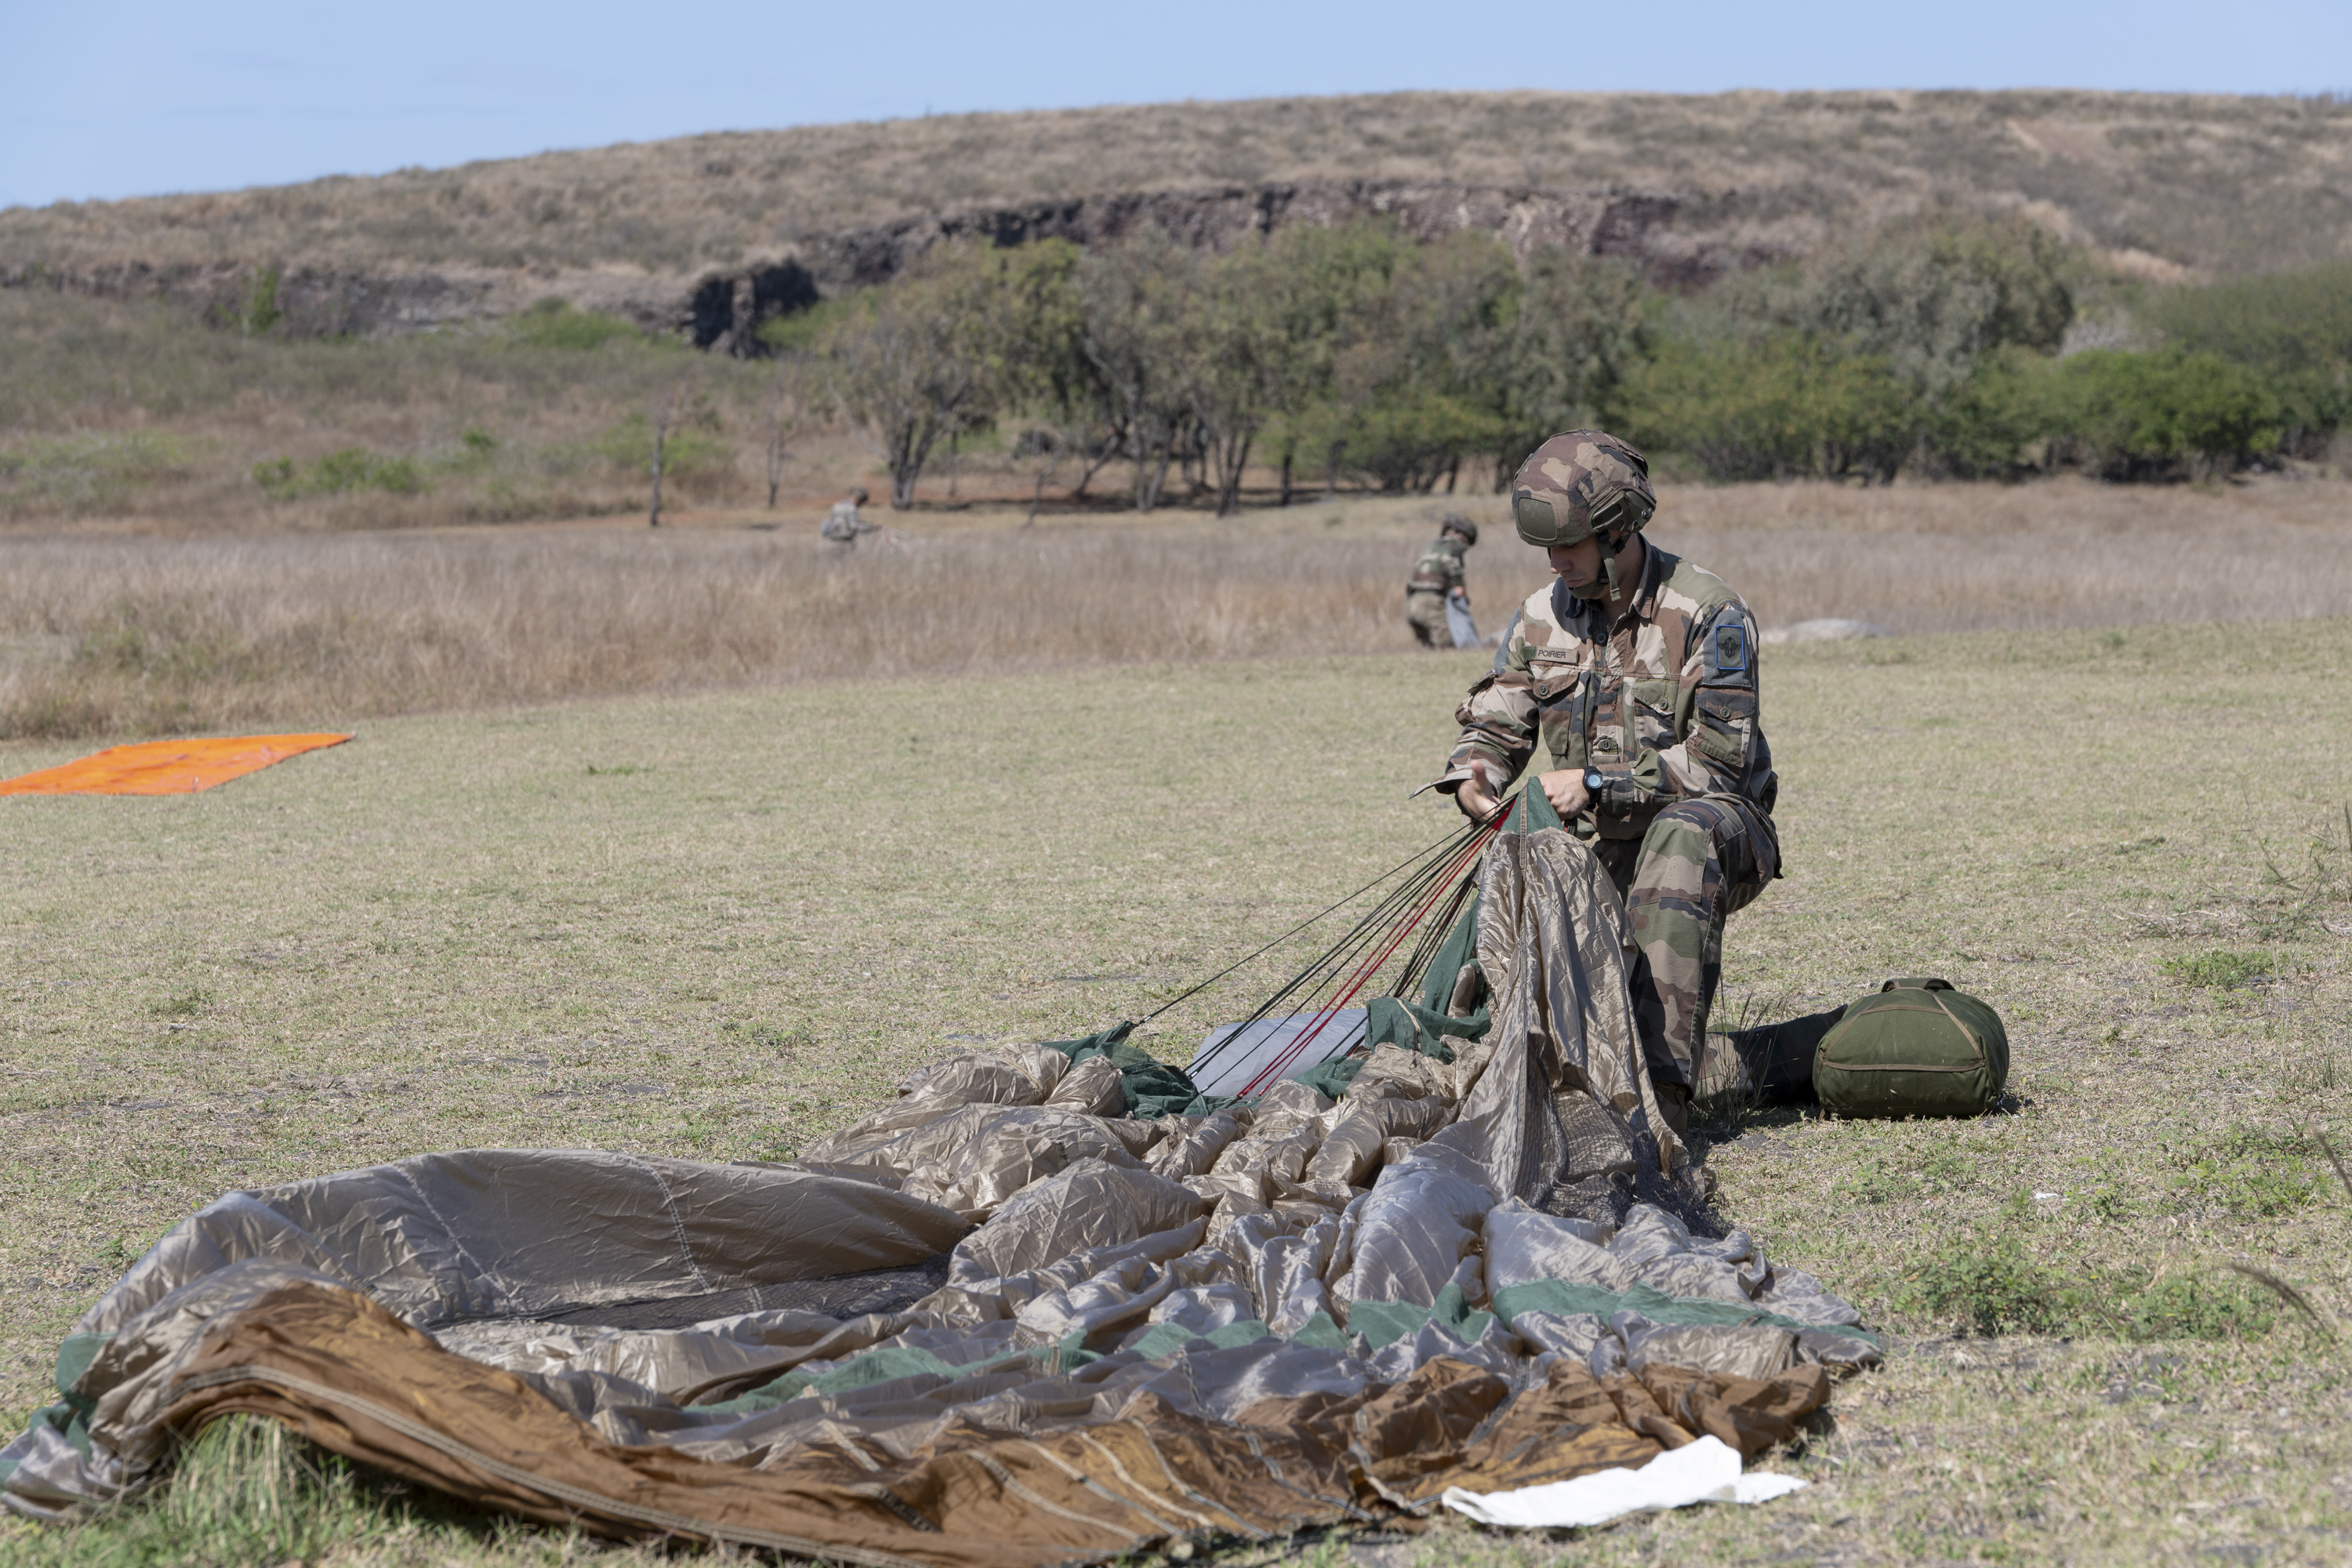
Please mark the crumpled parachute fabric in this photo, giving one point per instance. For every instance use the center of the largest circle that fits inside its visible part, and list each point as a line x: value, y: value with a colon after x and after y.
x: 999, y: 1320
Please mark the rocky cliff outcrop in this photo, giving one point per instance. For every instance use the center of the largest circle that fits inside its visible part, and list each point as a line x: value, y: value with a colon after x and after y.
x: 1680, y: 241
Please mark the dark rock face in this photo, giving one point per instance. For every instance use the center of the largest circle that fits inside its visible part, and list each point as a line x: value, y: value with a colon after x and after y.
x: 726, y: 311
x: 1680, y: 241
x: 1646, y: 227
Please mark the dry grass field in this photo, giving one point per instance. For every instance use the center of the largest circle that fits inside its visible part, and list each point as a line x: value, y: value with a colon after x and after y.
x: 719, y: 924
x: 2213, y: 183
x: 117, y: 633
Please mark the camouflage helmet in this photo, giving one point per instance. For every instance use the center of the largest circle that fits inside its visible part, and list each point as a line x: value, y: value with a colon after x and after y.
x: 1459, y: 524
x: 1580, y: 484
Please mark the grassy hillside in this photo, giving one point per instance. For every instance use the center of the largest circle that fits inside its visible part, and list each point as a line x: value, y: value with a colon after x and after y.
x: 2211, y: 182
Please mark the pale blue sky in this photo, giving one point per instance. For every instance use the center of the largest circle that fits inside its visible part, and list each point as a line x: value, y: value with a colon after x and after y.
x: 142, y: 96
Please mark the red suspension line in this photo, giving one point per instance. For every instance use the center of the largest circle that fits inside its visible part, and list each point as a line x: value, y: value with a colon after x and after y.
x: 1370, y: 967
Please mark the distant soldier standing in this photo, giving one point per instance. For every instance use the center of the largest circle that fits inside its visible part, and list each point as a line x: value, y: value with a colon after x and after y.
x: 1636, y: 673
x: 1436, y: 580
x: 843, y: 525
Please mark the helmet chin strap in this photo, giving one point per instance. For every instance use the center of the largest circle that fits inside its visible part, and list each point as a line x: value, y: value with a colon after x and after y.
x: 1609, y: 553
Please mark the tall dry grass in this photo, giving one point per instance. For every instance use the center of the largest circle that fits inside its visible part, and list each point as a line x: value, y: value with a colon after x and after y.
x: 118, y: 635
x: 104, y: 636
x: 2070, y: 552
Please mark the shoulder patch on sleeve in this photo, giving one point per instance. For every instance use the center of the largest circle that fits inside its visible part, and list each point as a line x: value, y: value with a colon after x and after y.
x: 1726, y: 648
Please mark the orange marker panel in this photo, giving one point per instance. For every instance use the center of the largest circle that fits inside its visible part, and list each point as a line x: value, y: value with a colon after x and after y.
x: 167, y: 767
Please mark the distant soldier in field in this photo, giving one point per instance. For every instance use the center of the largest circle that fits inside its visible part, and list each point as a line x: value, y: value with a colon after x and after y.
x: 1436, y: 583
x: 843, y: 525
x: 1635, y: 673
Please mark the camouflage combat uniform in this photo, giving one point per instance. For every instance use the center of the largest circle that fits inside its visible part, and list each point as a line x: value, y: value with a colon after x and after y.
x: 1438, y: 572
x: 1663, y: 705
x: 841, y: 525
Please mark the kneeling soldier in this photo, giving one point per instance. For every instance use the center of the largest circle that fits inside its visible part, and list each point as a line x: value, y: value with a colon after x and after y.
x: 1437, y: 578
x: 1635, y: 671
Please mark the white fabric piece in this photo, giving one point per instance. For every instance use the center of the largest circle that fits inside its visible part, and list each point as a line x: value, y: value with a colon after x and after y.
x: 1705, y: 1471
x: 1234, y: 1054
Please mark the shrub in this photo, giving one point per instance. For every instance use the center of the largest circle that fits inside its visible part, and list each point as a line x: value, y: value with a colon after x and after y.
x: 357, y: 468
x: 1405, y: 441
x: 1989, y: 425
x: 2293, y: 329
x: 1781, y: 407
x: 277, y: 478
x: 1932, y: 295
x: 2152, y: 416
x: 260, y: 313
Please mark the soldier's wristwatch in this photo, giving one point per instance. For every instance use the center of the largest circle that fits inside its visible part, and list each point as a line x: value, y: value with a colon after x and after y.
x: 1594, y: 781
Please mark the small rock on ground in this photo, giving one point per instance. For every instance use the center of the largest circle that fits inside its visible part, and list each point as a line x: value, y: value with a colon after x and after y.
x: 1826, y: 631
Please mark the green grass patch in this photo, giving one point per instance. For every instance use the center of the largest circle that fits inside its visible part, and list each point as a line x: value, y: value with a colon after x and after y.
x: 340, y: 472
x: 2222, y: 971
x: 557, y: 324
x: 768, y: 1038
x: 2249, y: 1174
x: 247, y: 1491
x: 183, y: 1004
x: 1890, y: 1177
x: 1985, y: 1285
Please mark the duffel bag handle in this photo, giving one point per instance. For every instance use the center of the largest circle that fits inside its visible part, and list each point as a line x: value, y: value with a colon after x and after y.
x: 1924, y: 982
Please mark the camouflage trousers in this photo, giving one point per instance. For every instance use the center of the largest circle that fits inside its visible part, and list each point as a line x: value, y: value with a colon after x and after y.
x: 1424, y: 612
x: 1700, y: 861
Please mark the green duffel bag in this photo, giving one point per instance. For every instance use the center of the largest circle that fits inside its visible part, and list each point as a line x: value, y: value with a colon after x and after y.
x: 1916, y: 1048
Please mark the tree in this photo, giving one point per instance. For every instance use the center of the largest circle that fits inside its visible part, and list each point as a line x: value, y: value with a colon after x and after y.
x: 1136, y: 309
x: 920, y: 359
x: 1931, y: 296
x: 1243, y: 363
x: 1048, y: 375
x: 1324, y: 288
x: 1414, y: 364
x: 1580, y: 326
x: 665, y: 417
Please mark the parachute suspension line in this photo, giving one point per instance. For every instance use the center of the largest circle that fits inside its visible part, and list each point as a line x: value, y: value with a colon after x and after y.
x: 1433, y: 936
x: 1430, y: 886
x: 1429, y: 865
x: 1401, y: 913
x: 1448, y: 842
